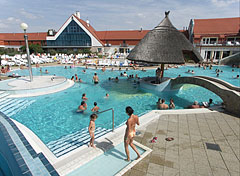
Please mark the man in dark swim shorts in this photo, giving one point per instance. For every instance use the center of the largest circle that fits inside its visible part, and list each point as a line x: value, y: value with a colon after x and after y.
x: 95, y: 78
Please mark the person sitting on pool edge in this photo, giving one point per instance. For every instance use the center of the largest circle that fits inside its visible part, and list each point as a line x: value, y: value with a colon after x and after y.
x: 82, y: 107
x: 95, y: 108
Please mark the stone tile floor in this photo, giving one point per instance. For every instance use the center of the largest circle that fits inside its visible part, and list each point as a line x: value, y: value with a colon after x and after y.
x: 187, y: 154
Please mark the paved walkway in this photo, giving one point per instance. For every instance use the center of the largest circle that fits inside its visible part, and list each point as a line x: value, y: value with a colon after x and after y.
x: 187, y: 154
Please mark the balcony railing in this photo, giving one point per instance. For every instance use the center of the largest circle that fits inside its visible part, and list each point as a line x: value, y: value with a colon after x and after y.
x: 225, y: 43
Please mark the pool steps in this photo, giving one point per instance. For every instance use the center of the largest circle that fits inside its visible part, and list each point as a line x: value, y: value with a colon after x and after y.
x: 73, y: 141
x: 3, y: 94
x: 11, y: 106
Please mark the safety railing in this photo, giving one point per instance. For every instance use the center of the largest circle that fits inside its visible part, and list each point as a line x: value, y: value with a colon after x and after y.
x: 111, y: 109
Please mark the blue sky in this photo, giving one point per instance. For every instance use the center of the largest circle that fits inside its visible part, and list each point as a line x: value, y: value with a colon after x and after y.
x: 41, y: 15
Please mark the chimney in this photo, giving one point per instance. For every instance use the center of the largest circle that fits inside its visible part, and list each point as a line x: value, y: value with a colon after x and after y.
x: 77, y: 14
x: 87, y: 22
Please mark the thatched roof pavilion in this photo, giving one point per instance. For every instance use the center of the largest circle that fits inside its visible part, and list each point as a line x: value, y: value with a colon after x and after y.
x: 164, y: 45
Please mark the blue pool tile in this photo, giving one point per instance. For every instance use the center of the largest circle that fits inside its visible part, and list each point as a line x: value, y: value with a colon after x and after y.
x: 29, y: 147
x: 49, y: 168
x: 17, y: 156
x: 14, y: 149
x: 34, y: 154
x: 32, y: 151
x: 44, y: 161
x: 20, y: 162
x: 10, y: 142
x: 24, y: 168
x: 54, y: 173
x: 28, y: 173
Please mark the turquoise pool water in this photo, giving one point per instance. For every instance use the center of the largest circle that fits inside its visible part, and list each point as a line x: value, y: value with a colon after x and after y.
x: 53, y: 116
x: 107, y: 164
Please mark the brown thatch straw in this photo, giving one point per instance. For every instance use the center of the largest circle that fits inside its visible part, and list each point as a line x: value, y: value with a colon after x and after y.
x: 164, y: 45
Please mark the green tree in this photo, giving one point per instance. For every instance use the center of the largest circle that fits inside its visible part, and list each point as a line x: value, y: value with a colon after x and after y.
x: 52, y: 52
x: 86, y: 51
x: 33, y: 48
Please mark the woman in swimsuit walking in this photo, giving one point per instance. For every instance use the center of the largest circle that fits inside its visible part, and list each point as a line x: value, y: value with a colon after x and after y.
x: 130, y: 132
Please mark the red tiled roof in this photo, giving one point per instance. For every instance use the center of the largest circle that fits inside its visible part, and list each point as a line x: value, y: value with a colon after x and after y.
x: 20, y: 36
x: 89, y: 28
x: 122, y: 35
x: 217, y: 26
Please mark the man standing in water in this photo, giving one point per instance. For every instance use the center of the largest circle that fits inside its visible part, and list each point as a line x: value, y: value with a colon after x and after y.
x: 130, y: 132
x: 95, y: 78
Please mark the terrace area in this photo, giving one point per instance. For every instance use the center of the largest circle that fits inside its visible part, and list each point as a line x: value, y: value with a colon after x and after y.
x: 205, y: 143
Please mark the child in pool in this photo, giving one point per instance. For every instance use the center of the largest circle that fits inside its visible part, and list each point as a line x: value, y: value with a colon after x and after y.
x: 91, y: 129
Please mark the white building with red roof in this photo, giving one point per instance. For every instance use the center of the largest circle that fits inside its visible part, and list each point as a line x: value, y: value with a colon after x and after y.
x: 215, y: 38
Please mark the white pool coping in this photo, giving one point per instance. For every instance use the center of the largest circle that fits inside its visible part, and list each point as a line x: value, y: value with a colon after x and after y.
x: 82, y: 155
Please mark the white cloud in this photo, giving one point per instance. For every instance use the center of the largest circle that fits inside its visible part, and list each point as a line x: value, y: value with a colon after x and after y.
x: 3, y: 26
x: 13, y: 20
x: 141, y: 15
x: 223, y: 3
x: 27, y: 14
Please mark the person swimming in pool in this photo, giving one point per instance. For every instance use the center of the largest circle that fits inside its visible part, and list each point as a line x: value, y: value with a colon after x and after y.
x: 130, y: 132
x: 107, y: 95
x: 95, y: 108
x: 82, y: 107
x: 84, y: 97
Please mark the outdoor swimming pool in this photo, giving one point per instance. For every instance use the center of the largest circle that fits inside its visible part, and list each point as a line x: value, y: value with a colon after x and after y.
x: 53, y: 116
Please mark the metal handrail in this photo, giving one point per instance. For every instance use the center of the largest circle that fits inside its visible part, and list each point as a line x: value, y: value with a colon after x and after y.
x: 112, y: 116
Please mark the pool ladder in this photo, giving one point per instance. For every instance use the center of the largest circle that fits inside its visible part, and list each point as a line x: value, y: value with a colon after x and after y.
x: 111, y: 109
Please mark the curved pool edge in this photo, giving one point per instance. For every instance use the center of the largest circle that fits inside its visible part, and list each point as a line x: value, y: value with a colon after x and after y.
x: 20, y: 156
x: 41, y: 90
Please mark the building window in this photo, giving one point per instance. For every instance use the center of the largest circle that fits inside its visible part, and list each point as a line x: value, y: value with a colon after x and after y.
x: 209, y: 40
x: 121, y: 50
x: 99, y: 50
x: 233, y: 40
x: 72, y: 35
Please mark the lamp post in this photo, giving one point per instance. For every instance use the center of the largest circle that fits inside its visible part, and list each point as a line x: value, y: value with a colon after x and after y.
x: 24, y: 26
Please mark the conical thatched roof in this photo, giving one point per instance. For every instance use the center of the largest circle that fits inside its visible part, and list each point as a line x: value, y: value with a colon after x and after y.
x: 164, y: 44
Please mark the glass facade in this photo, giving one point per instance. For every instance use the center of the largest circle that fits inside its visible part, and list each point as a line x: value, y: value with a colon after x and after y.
x: 72, y: 35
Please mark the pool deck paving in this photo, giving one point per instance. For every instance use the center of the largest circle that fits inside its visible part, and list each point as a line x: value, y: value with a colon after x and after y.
x: 188, y: 153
